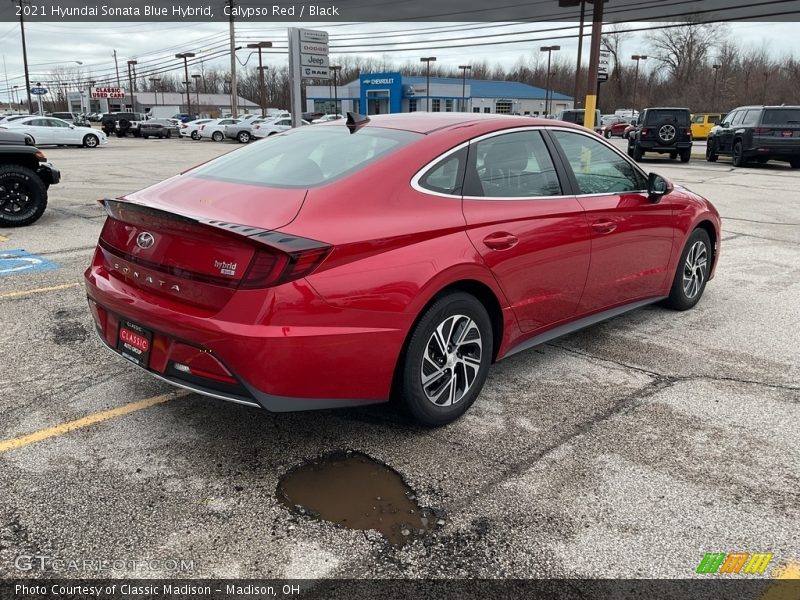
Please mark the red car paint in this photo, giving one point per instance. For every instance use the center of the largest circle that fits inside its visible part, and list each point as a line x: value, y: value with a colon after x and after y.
x: 296, y: 298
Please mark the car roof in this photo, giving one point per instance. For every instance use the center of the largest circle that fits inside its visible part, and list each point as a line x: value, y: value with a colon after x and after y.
x: 424, y: 122
x: 770, y: 106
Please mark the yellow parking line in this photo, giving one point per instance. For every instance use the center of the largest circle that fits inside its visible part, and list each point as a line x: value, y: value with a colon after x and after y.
x: 55, y: 288
x: 3, y: 238
x: 98, y: 417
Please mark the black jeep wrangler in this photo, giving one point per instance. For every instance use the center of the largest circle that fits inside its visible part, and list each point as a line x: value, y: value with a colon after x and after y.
x: 25, y: 176
x: 123, y: 123
x: 662, y: 130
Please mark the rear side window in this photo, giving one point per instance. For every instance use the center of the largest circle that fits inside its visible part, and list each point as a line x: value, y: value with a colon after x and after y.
x: 446, y: 176
x: 781, y: 116
x: 306, y: 156
x: 681, y: 117
x: 751, y: 117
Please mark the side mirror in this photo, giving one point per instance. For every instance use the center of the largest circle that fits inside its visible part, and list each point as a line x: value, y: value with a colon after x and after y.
x: 658, y: 187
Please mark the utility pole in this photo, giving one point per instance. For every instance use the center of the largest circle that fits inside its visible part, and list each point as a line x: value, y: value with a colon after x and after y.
x: 8, y: 87
x: 261, y: 91
x: 637, y: 58
x: 132, y: 81
x: 234, y: 91
x: 428, y: 60
x: 25, y: 53
x: 547, y: 93
x: 154, y: 81
x: 116, y: 66
x: 580, y: 52
x: 716, y: 68
x: 594, y: 64
x: 196, y: 77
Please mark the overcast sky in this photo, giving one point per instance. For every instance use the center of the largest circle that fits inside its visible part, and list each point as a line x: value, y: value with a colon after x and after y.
x: 61, y: 44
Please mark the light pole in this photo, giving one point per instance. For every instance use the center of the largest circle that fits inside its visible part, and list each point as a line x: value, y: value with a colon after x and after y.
x: 549, y: 50
x: 154, y: 81
x: 428, y: 60
x: 132, y: 82
x: 716, y: 68
x: 335, y: 69
x: 261, y: 91
x: 196, y: 77
x: 637, y: 58
x: 188, y: 85
x: 184, y: 56
x: 91, y: 83
x: 16, y: 97
x: 464, y: 69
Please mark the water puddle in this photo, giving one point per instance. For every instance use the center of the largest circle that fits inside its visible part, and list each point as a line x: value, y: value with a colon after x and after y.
x: 355, y: 491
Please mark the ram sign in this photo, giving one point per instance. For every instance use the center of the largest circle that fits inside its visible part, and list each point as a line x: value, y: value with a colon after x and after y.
x: 108, y: 92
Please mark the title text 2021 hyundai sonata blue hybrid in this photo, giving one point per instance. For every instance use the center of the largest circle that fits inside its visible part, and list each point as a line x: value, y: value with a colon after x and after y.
x: 341, y: 264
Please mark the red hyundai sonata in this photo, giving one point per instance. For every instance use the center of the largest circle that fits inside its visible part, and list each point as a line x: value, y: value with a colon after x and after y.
x: 339, y: 264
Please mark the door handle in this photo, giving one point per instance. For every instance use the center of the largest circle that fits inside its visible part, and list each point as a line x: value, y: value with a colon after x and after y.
x: 500, y: 240
x: 604, y: 226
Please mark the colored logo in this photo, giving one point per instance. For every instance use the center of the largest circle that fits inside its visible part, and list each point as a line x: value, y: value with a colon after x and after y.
x: 736, y: 562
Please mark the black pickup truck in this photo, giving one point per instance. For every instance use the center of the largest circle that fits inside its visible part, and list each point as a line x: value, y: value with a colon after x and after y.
x: 25, y: 176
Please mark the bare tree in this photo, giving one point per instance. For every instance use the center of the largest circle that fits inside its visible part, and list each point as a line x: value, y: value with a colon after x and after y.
x: 685, y: 49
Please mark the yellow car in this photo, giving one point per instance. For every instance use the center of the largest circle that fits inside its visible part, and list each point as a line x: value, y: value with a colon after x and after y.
x: 702, y: 124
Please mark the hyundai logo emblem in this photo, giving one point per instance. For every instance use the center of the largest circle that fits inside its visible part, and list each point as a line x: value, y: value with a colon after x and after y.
x: 145, y: 240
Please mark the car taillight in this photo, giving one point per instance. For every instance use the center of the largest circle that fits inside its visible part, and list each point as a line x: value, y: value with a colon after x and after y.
x: 644, y: 131
x: 184, y: 126
x: 202, y: 127
x: 270, y: 267
x: 761, y: 129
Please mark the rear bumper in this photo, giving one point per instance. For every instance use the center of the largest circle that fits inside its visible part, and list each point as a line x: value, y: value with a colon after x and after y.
x: 654, y: 146
x: 305, y: 355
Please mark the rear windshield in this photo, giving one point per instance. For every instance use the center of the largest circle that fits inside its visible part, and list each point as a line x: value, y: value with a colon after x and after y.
x: 306, y: 156
x: 670, y: 116
x: 781, y: 116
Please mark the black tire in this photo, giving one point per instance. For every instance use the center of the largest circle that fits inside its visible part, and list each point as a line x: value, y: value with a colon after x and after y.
x: 738, y: 154
x: 195, y: 135
x: 678, y: 298
x: 711, y: 150
x: 630, y: 150
x: 637, y: 152
x: 795, y: 162
x: 685, y: 154
x: 147, y: 137
x: 673, y: 155
x: 465, y: 311
x: 607, y: 135
x: 124, y: 124
x: 243, y: 137
x: 91, y: 141
x: 217, y: 136
x: 169, y: 134
x: 23, y: 196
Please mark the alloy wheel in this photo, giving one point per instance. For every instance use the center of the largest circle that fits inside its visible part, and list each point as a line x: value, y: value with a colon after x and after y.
x: 694, y: 269
x: 14, y: 197
x: 451, y: 360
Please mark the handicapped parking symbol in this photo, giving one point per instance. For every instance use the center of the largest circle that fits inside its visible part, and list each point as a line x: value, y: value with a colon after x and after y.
x: 15, y: 262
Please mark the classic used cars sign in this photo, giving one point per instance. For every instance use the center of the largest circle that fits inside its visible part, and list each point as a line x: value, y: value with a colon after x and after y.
x: 108, y: 92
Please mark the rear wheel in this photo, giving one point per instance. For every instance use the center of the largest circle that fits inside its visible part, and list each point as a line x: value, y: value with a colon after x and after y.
x: 607, y: 134
x: 711, y: 151
x: 673, y: 155
x: 217, y: 136
x: 243, y: 137
x: 447, y: 360
x: 195, y: 135
x: 738, y: 155
x: 691, y: 275
x: 685, y: 154
x: 637, y: 152
x: 23, y: 196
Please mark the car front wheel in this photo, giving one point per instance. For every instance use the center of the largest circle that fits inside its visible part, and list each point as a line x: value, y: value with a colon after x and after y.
x: 738, y: 155
x: 447, y: 359
x: 91, y: 141
x: 711, y: 151
x: 691, y: 275
x: 23, y: 196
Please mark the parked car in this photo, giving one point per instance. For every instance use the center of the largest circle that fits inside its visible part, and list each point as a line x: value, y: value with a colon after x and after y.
x: 215, y: 129
x: 183, y: 117
x: 310, y: 116
x: 123, y: 123
x: 326, y: 118
x: 160, y: 128
x: 49, y: 131
x: 576, y: 115
x: 662, y: 130
x: 66, y: 116
x: 192, y: 128
x: 757, y: 133
x: 268, y: 128
x: 242, y: 131
x: 12, y: 118
x: 25, y: 177
x: 614, y: 126
x: 703, y: 123
x: 449, y: 241
x: 630, y: 128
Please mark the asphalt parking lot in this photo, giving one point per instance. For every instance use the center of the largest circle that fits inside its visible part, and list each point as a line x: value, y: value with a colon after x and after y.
x: 627, y: 450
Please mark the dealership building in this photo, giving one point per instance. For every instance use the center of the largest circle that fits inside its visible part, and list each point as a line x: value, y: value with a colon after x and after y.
x: 381, y: 93
x: 212, y: 105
